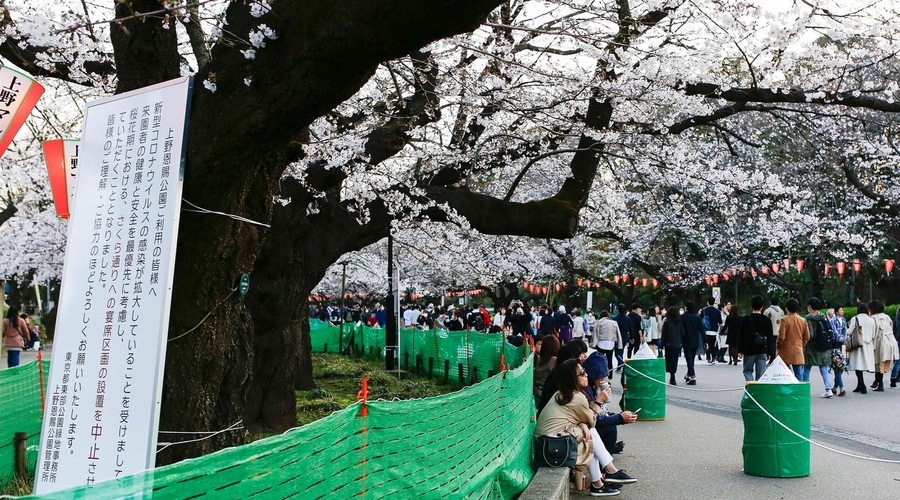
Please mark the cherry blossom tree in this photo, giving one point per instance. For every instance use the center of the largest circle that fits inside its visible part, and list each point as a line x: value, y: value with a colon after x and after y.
x: 629, y: 123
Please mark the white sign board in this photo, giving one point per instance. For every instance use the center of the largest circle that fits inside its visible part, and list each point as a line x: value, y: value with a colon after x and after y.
x: 778, y: 373
x: 103, y: 395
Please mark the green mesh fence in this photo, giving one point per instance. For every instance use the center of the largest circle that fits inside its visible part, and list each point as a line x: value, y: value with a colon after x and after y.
x: 474, y: 443
x: 461, y: 357
x: 20, y: 411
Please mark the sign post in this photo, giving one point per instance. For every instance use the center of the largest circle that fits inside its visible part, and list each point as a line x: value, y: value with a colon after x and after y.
x: 105, y: 385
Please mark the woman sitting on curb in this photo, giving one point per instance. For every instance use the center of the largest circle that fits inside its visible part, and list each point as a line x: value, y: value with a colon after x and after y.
x: 569, y: 413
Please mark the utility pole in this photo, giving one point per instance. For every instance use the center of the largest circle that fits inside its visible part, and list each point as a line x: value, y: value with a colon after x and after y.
x: 391, y: 325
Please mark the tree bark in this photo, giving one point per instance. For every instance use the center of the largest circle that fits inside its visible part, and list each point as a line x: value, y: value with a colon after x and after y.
x: 294, y: 257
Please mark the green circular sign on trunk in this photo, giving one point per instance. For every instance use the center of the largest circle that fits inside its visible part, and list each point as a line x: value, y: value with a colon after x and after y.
x: 244, y: 284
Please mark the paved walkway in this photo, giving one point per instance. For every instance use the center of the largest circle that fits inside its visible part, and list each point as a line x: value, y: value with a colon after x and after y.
x: 695, y: 453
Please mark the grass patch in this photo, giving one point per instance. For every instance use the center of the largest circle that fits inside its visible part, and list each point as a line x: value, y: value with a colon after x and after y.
x: 339, y: 378
x: 16, y: 487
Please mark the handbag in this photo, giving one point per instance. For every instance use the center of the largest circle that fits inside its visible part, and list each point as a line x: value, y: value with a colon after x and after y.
x: 555, y: 451
x: 854, y: 340
x: 759, y: 340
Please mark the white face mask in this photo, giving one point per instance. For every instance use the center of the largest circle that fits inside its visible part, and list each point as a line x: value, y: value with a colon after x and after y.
x: 681, y: 311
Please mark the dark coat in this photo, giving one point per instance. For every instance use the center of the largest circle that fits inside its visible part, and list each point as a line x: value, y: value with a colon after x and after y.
x: 625, y: 326
x: 692, y: 328
x: 672, y: 334
x: 750, y: 325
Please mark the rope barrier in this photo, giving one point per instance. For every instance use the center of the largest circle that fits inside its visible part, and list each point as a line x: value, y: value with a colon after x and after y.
x: 678, y: 386
x: 205, y: 317
x: 810, y: 441
x: 792, y: 431
x: 233, y: 427
x: 202, y: 210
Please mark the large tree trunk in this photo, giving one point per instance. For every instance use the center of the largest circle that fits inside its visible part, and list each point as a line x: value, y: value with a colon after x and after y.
x: 293, y: 259
x: 240, y: 140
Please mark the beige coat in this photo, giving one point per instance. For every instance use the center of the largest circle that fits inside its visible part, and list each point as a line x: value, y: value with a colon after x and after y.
x: 885, y: 343
x: 566, y: 420
x: 793, y: 334
x: 862, y: 358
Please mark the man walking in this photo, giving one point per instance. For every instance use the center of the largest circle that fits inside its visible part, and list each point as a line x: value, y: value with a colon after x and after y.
x: 692, y: 331
x: 624, y: 323
x: 637, y: 329
x: 813, y: 352
x: 710, y: 318
x: 756, y: 341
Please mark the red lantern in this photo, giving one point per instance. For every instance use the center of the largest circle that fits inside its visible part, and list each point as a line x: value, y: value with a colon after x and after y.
x: 787, y: 265
x: 888, y: 265
x: 726, y: 276
x: 670, y: 277
x: 827, y: 268
x: 22, y: 94
x: 708, y: 281
x: 841, y: 267
x: 61, y: 157
x: 857, y: 265
x: 616, y: 278
x: 753, y: 272
x: 580, y: 281
x: 558, y: 287
x: 644, y: 282
x: 655, y: 283
x: 765, y: 270
x: 587, y: 284
x: 636, y: 280
x: 715, y: 279
x: 526, y: 285
x: 625, y: 277
x: 799, y: 265
x: 776, y: 267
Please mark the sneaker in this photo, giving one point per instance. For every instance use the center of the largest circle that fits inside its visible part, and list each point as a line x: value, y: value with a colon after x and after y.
x: 827, y: 394
x: 619, y: 447
x: 619, y: 478
x: 692, y: 381
x: 711, y: 362
x: 603, y: 491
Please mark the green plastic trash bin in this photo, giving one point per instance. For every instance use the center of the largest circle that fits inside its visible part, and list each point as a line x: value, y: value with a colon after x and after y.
x: 769, y: 449
x: 642, y: 392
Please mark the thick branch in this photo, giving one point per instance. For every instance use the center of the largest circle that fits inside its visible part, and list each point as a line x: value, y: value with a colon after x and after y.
x: 797, y: 96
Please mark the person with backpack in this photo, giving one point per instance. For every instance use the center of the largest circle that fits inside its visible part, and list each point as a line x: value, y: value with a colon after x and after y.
x: 711, y: 319
x: 817, y: 351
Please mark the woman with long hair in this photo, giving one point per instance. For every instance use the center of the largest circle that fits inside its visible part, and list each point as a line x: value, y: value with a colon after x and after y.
x: 545, y: 364
x: 731, y: 330
x: 15, y: 336
x: 569, y: 413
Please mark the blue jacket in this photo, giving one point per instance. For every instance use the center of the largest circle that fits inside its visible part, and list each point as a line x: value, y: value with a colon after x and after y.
x: 624, y: 326
x: 692, y: 327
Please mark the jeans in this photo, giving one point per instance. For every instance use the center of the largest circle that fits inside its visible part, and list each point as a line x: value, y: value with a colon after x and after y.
x: 823, y: 370
x: 799, y: 372
x: 754, y: 362
x: 12, y: 358
x: 895, y: 371
x: 839, y: 380
x: 619, y: 358
x: 689, y: 356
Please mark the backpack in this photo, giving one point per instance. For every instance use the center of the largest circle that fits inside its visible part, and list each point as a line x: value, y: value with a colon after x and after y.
x: 705, y: 321
x: 476, y: 321
x: 824, y: 340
